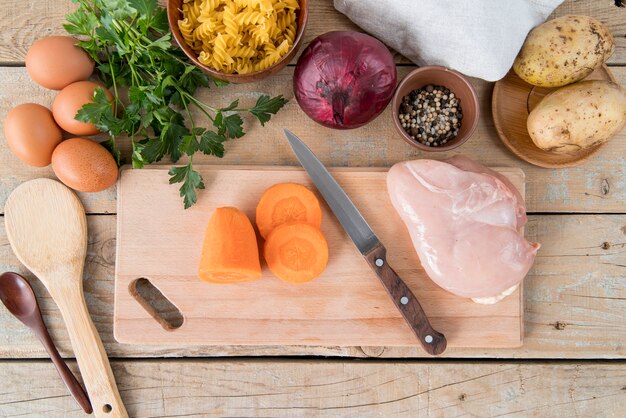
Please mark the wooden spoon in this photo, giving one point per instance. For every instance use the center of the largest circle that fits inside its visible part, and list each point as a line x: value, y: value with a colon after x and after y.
x: 20, y: 300
x: 47, y: 229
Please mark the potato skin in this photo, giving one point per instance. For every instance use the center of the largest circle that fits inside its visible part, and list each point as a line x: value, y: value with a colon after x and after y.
x: 563, y: 50
x: 578, y: 116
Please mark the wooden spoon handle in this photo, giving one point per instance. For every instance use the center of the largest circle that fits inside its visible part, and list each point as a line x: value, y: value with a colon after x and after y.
x: 432, y: 341
x: 90, y: 354
x: 66, y: 374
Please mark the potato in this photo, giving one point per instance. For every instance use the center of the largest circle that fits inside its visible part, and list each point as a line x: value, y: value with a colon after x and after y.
x: 563, y: 50
x: 578, y: 116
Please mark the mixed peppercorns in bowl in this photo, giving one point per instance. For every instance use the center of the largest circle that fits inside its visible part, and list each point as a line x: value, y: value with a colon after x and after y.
x: 435, y: 109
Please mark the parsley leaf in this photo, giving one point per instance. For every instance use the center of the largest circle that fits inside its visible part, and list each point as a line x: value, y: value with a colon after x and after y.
x: 265, y: 107
x: 144, y: 7
x: 192, y: 181
x: 233, y: 125
x: 212, y: 143
x: 164, y: 42
x: 152, y: 150
x: 119, y: 9
x: 189, y: 144
x: 231, y: 106
x: 99, y: 112
x: 159, y: 21
x: 172, y: 135
x: 80, y: 23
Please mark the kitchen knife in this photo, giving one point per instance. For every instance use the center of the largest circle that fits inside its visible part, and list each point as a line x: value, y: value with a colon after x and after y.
x: 369, y: 245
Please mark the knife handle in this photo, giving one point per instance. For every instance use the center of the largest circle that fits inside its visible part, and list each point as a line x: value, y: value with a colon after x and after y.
x: 433, y: 342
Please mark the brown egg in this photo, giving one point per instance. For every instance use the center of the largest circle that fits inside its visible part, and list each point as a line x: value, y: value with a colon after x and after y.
x: 84, y: 165
x: 31, y: 133
x: 69, y: 101
x: 55, y: 62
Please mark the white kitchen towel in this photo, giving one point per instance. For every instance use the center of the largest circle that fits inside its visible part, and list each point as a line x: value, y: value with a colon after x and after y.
x: 479, y: 38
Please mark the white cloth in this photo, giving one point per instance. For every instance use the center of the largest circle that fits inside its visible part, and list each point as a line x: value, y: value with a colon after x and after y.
x: 479, y: 38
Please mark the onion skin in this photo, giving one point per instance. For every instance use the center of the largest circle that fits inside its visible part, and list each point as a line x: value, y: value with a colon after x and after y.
x: 344, y: 79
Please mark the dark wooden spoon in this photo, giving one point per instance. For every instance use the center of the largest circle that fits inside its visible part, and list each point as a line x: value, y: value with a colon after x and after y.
x: 20, y: 300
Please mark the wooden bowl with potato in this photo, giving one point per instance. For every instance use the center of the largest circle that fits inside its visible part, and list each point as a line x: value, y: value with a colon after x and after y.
x: 560, y: 104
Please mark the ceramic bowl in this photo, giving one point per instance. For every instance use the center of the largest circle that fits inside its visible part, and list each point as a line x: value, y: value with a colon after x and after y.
x: 439, y: 76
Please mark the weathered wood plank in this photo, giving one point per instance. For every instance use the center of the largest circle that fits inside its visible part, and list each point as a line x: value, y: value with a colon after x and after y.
x: 331, y: 389
x: 597, y: 186
x: 21, y: 23
x: 575, y: 299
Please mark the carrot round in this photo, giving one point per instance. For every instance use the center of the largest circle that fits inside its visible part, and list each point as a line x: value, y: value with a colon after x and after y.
x: 230, y: 253
x: 296, y: 253
x: 287, y: 203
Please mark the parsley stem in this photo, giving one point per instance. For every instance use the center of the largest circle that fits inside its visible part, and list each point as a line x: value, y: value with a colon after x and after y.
x: 133, y: 75
x: 200, y: 105
x: 116, y: 99
x: 193, y: 125
x: 182, y: 99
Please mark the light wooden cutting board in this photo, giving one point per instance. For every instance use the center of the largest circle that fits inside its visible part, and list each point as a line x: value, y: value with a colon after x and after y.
x: 347, y: 306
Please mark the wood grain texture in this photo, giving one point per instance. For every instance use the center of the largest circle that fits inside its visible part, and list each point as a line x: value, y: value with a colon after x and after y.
x: 597, y: 186
x: 21, y: 23
x: 575, y: 298
x: 333, y: 389
x: 575, y: 295
x: 47, y: 229
x: 345, y: 306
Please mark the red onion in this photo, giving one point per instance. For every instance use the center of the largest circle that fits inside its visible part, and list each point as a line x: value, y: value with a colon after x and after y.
x: 344, y: 80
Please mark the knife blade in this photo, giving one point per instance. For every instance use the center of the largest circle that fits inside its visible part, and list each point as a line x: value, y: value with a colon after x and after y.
x: 369, y: 245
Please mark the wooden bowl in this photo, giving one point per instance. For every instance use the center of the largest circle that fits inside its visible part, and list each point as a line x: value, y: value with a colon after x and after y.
x: 512, y: 101
x: 174, y: 14
x: 457, y: 84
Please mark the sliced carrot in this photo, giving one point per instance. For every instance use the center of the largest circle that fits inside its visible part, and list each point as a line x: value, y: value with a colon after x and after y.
x: 230, y: 253
x: 296, y: 253
x: 287, y: 203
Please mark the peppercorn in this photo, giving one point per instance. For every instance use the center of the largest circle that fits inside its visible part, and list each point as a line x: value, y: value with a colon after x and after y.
x: 431, y: 115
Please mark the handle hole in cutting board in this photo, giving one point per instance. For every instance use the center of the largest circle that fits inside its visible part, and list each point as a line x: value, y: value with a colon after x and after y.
x: 156, y: 304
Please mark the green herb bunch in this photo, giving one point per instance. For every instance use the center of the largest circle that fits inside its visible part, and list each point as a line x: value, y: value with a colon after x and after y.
x: 131, y: 45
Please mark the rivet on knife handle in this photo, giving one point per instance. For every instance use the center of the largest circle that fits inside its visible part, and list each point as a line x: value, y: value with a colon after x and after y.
x: 433, y: 342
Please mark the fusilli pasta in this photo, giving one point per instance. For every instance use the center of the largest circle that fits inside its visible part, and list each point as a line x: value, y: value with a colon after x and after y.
x: 239, y: 36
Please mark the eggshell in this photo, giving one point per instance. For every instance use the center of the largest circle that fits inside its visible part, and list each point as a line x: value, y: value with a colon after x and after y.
x: 32, y: 134
x: 84, y: 165
x: 55, y: 62
x: 69, y: 101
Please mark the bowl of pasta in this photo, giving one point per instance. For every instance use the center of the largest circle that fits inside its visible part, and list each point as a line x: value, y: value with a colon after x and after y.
x: 238, y: 41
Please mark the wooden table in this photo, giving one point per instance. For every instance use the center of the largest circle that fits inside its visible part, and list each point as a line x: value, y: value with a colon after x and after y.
x: 572, y: 361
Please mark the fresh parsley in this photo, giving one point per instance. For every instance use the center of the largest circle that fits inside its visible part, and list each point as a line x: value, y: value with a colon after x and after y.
x: 131, y: 45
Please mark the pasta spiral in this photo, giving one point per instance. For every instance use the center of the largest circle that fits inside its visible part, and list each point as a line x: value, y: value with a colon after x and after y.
x: 186, y: 29
x: 232, y: 27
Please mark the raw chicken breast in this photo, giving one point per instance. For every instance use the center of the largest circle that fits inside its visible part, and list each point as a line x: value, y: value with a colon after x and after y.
x: 464, y: 220
x: 466, y: 164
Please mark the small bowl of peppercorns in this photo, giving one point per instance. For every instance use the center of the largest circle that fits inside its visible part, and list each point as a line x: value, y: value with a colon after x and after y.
x: 435, y: 109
